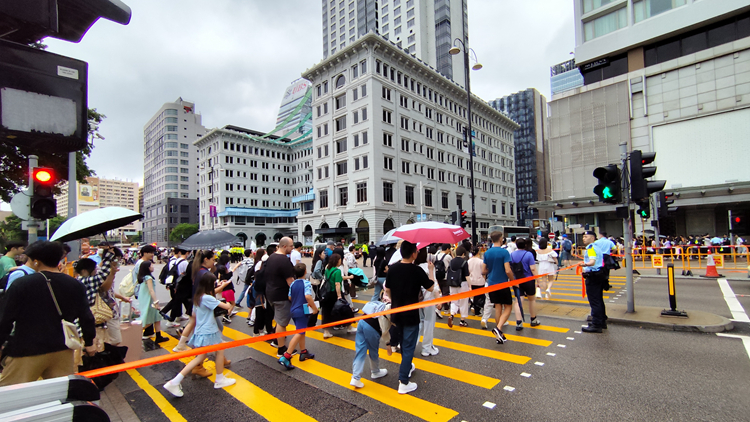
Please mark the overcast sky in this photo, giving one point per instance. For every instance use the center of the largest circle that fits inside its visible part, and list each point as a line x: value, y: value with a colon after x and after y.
x: 234, y: 59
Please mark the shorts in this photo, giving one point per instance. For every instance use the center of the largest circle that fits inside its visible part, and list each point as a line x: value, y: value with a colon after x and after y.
x: 282, y: 312
x: 300, y: 322
x: 113, y: 332
x: 565, y: 255
x: 228, y: 295
x: 528, y: 288
x: 501, y: 297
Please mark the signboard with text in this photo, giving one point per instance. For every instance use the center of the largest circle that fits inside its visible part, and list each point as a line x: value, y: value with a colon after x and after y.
x: 657, y: 261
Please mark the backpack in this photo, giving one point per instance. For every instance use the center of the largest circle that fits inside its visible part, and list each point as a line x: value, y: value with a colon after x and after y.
x: 164, y: 273
x: 454, y: 276
x: 517, y: 267
x: 260, y: 279
x: 567, y: 245
x: 173, y: 275
x: 127, y: 287
x: 440, y: 268
x: 250, y: 274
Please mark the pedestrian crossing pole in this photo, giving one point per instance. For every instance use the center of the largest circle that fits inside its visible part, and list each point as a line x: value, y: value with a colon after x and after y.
x: 627, y: 227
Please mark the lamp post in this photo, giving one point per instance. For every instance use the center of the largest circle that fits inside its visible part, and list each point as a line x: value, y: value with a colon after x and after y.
x: 468, y: 132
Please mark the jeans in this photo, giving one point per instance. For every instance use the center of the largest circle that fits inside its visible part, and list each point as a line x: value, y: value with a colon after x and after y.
x: 378, y: 289
x: 477, y: 301
x: 242, y: 294
x: 427, y: 325
x: 408, y: 344
x: 594, y: 293
x: 367, y: 341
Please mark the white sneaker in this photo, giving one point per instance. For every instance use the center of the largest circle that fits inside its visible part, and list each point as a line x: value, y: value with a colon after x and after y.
x: 356, y: 383
x: 351, y: 329
x: 184, y: 318
x: 429, y: 351
x: 406, y: 388
x: 172, y: 324
x: 380, y: 374
x: 413, y: 368
x: 176, y: 390
x: 226, y: 382
x: 181, y: 348
x: 483, y: 323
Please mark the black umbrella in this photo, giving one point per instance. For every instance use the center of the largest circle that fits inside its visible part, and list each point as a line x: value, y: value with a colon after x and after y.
x: 209, y: 239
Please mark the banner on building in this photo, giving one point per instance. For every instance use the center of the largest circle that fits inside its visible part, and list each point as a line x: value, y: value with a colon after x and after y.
x: 88, y: 194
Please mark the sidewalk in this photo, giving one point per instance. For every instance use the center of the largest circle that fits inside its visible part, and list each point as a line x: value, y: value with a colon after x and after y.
x: 644, y: 317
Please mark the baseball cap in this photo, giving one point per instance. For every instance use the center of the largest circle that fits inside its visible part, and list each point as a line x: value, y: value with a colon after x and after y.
x: 590, y: 232
x: 565, y: 235
x: 330, y: 242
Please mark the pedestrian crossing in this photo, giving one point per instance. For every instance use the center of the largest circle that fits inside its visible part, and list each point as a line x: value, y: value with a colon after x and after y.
x: 469, y: 359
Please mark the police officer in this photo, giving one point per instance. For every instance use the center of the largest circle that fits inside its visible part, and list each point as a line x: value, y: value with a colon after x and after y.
x: 594, y: 274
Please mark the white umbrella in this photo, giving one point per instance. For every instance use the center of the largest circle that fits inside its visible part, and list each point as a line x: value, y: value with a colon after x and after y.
x: 94, y: 222
x: 388, y: 239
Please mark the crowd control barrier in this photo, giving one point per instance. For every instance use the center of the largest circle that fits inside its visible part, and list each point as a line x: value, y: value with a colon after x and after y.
x: 58, y: 399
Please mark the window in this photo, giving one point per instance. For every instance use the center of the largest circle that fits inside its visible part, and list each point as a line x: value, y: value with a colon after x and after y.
x: 364, y: 138
x: 355, y: 116
x: 356, y: 140
x: 364, y: 114
x: 405, y: 166
x: 355, y: 71
x: 343, y: 196
x: 404, y: 123
x: 494, y: 208
x: 341, y: 168
x: 364, y: 89
x: 324, y: 198
x: 340, y: 81
x: 387, y: 116
x: 444, y: 200
x: 388, y: 163
x: 362, y: 192
x: 340, y: 102
x: 365, y: 162
x: 387, y: 139
x: 605, y: 24
x: 410, y: 23
x: 340, y: 123
x: 589, y: 5
x: 386, y: 93
x: 388, y: 192
x: 404, y: 144
x: 341, y: 146
x: 409, y: 195
x: 325, y: 107
x: 428, y: 198
x: 355, y: 95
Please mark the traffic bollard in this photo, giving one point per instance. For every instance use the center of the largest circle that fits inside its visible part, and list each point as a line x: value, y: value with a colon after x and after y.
x: 672, y: 296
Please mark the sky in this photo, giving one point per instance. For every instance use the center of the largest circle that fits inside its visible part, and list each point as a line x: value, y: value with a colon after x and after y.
x: 235, y: 58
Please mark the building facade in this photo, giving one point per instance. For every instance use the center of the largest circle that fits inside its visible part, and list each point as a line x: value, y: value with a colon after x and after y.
x: 101, y: 193
x: 565, y: 76
x: 671, y: 77
x: 170, y: 171
x: 294, y: 120
x: 528, y: 108
x: 388, y: 147
x: 251, y: 179
x: 424, y: 28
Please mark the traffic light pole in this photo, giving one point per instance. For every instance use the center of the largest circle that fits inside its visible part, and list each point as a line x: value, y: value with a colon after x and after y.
x: 32, y: 224
x: 627, y: 228
x: 655, y: 217
x: 75, y: 246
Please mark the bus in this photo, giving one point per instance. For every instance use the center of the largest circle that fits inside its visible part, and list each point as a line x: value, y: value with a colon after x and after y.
x: 510, y: 231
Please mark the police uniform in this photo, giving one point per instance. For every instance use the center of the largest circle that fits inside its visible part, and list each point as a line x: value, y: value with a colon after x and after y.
x: 595, y: 281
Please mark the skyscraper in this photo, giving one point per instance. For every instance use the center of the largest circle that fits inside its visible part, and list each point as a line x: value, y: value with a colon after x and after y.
x: 295, y: 112
x: 529, y: 109
x: 170, y: 171
x: 424, y: 28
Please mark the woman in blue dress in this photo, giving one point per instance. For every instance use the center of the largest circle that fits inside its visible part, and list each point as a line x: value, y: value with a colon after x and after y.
x: 148, y: 304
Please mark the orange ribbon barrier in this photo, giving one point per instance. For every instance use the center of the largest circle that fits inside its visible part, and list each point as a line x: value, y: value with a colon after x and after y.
x: 228, y: 345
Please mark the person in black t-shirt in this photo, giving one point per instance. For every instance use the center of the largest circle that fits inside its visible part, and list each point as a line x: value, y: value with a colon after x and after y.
x: 279, y: 275
x: 403, y: 285
x: 459, y: 264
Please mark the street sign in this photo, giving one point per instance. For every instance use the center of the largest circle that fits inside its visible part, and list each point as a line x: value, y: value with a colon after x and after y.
x: 719, y: 260
x: 20, y: 204
x: 42, y: 225
x: 657, y: 261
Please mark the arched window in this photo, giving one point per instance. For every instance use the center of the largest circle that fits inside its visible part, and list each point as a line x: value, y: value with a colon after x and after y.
x: 340, y: 81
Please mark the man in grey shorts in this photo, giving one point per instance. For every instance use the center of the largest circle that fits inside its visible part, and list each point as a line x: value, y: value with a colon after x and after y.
x: 279, y: 274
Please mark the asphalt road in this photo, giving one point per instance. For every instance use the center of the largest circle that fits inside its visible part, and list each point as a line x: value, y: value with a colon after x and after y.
x: 626, y: 373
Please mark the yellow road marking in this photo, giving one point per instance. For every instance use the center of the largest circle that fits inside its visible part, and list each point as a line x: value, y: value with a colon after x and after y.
x: 571, y: 294
x: 578, y: 279
x: 485, y: 333
x: 405, y: 402
x: 421, y: 364
x: 249, y: 394
x: 164, y: 405
x: 569, y: 300
x: 494, y: 354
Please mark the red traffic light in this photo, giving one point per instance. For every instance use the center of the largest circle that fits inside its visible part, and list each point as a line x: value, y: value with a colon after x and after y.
x: 43, y: 175
x: 463, y: 213
x: 737, y: 220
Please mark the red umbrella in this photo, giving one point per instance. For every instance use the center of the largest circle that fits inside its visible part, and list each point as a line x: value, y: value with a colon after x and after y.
x: 431, y: 232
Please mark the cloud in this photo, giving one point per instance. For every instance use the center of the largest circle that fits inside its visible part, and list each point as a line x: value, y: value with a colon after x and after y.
x: 234, y: 58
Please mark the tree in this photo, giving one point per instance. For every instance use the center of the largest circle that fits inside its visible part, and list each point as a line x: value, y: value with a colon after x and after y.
x: 182, y: 232
x: 10, y: 229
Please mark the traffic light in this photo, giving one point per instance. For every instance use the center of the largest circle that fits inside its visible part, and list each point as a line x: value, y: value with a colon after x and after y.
x: 43, y: 204
x: 640, y: 188
x: 464, y: 220
x: 454, y: 217
x: 739, y: 224
x: 644, y: 208
x: 609, y: 185
x: 665, y: 200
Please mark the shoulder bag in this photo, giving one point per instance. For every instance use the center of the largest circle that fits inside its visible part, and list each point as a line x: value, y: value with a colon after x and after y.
x: 101, y: 311
x: 70, y: 330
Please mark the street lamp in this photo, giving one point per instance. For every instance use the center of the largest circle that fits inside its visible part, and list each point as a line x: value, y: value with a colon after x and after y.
x: 468, y: 133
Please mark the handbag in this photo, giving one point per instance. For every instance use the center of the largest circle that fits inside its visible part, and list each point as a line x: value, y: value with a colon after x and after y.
x: 70, y: 330
x: 102, y: 313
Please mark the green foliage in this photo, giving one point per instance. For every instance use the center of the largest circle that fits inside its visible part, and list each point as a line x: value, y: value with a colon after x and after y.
x: 135, y: 239
x: 10, y: 229
x: 182, y: 232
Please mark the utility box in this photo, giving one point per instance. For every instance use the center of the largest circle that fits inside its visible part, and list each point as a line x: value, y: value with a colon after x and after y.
x: 43, y: 99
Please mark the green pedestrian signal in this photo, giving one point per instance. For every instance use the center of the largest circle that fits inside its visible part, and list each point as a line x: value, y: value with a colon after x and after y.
x: 608, y: 189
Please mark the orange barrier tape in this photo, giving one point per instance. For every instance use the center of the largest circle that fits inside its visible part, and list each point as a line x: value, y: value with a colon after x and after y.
x: 228, y: 345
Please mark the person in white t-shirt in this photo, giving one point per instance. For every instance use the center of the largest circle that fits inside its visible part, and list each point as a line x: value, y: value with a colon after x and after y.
x: 512, y: 245
x: 296, y: 256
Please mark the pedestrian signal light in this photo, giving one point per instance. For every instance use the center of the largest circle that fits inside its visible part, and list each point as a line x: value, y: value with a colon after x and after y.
x: 43, y: 205
x: 608, y: 189
x: 737, y: 220
x: 640, y: 188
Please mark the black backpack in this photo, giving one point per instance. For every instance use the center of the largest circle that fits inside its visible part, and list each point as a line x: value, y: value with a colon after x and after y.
x: 260, y: 279
x: 250, y: 274
x: 173, y: 275
x: 454, y: 276
x: 517, y: 267
x: 164, y: 273
x: 440, y: 267
x: 3, y: 288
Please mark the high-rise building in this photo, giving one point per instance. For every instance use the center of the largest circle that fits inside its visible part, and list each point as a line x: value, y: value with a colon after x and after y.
x: 294, y: 120
x: 423, y: 28
x: 671, y: 77
x: 101, y: 193
x: 529, y: 109
x: 565, y: 76
x: 388, y: 146
x: 170, y: 171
